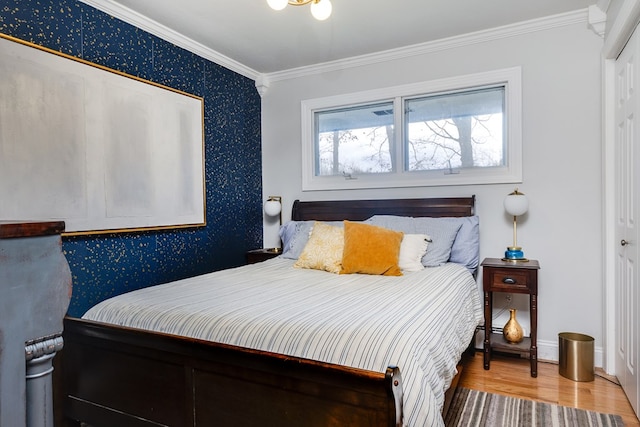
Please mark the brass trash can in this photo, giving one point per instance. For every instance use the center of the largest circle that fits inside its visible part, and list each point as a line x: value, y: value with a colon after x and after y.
x: 576, y: 353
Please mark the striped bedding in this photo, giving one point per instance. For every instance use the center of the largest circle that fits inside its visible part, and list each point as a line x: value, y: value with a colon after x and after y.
x: 420, y: 322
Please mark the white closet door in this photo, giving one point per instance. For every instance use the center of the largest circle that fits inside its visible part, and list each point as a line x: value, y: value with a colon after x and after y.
x: 627, y: 117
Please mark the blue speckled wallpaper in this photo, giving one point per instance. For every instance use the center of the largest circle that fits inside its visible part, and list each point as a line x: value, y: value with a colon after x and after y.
x: 106, y: 265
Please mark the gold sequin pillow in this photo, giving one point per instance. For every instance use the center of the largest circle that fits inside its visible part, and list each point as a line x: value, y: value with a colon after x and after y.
x: 324, y: 249
x: 369, y: 249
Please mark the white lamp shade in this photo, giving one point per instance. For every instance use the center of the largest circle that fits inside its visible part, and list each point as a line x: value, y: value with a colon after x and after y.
x: 516, y: 204
x: 321, y: 9
x: 277, y: 4
x: 272, y: 207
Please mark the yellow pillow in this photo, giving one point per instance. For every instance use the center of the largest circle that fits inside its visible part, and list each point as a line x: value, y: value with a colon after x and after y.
x: 369, y: 249
x: 324, y: 249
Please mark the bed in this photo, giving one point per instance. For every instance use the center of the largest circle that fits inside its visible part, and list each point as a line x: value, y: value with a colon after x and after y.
x: 287, y: 346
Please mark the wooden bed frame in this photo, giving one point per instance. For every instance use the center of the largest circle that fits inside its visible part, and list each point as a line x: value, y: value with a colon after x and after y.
x: 108, y: 375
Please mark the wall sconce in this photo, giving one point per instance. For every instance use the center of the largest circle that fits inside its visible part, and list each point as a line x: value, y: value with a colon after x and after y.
x: 515, y: 204
x: 273, y: 207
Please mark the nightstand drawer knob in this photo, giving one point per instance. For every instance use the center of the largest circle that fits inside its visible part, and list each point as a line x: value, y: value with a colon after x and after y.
x: 509, y: 281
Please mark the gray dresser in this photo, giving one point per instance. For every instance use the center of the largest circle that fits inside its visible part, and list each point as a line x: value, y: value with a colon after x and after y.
x: 35, y: 290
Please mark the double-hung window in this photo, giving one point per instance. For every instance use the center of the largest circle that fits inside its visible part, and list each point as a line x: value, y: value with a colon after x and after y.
x: 456, y: 131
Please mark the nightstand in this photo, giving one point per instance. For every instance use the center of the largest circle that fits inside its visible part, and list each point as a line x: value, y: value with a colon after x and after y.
x: 259, y: 255
x: 514, y: 278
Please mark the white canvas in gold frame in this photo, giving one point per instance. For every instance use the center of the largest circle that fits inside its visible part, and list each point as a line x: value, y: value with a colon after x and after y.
x: 99, y: 149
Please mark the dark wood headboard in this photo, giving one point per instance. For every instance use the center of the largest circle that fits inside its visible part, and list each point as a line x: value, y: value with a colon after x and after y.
x: 359, y: 210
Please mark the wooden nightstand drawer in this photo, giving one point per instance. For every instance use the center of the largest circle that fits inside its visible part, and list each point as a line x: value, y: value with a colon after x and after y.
x: 508, y: 280
x: 512, y: 277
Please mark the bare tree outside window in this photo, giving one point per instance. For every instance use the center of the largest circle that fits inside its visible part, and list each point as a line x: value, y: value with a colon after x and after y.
x: 441, y: 132
x: 462, y: 142
x: 461, y: 130
x: 356, y: 140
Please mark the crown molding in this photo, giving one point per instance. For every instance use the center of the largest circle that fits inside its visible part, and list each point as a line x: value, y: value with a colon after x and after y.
x: 263, y: 80
x: 597, y: 20
x: 134, y: 18
x: 507, y: 31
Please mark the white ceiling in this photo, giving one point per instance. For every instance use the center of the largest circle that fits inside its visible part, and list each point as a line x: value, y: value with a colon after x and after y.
x: 266, y: 41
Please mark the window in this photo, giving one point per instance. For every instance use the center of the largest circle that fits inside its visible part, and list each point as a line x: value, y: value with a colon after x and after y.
x: 354, y: 140
x: 457, y: 131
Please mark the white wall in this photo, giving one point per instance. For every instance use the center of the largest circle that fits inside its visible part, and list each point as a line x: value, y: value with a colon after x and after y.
x: 561, y: 76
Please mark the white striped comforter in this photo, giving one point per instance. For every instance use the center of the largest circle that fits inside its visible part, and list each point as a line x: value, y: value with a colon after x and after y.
x: 420, y: 322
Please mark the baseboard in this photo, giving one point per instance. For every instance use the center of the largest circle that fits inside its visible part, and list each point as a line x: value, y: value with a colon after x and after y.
x: 548, y: 351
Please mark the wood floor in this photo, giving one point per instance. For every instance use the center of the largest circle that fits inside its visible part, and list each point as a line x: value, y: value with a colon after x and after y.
x: 511, y: 376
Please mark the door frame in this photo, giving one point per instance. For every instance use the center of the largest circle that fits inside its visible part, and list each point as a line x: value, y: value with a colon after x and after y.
x: 620, y: 31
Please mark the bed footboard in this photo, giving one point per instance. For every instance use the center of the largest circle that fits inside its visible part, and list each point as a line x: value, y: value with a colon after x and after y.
x: 108, y: 375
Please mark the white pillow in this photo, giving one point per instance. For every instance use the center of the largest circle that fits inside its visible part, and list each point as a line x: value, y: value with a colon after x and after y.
x: 412, y: 249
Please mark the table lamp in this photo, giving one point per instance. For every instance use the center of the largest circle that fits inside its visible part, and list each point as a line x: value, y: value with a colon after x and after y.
x: 515, y: 204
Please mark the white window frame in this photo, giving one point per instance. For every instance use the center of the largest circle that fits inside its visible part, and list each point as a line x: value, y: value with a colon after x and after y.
x: 510, y: 78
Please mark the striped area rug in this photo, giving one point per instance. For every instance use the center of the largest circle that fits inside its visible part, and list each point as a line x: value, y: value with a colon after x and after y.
x: 476, y: 408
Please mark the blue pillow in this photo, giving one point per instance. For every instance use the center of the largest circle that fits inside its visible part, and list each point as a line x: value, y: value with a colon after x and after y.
x: 442, y: 234
x: 294, y: 236
x: 466, y: 247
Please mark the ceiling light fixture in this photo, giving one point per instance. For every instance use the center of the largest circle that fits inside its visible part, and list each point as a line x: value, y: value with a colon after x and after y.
x: 320, y: 9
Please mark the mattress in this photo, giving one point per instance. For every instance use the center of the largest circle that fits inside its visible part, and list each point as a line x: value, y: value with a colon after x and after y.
x: 421, y: 321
